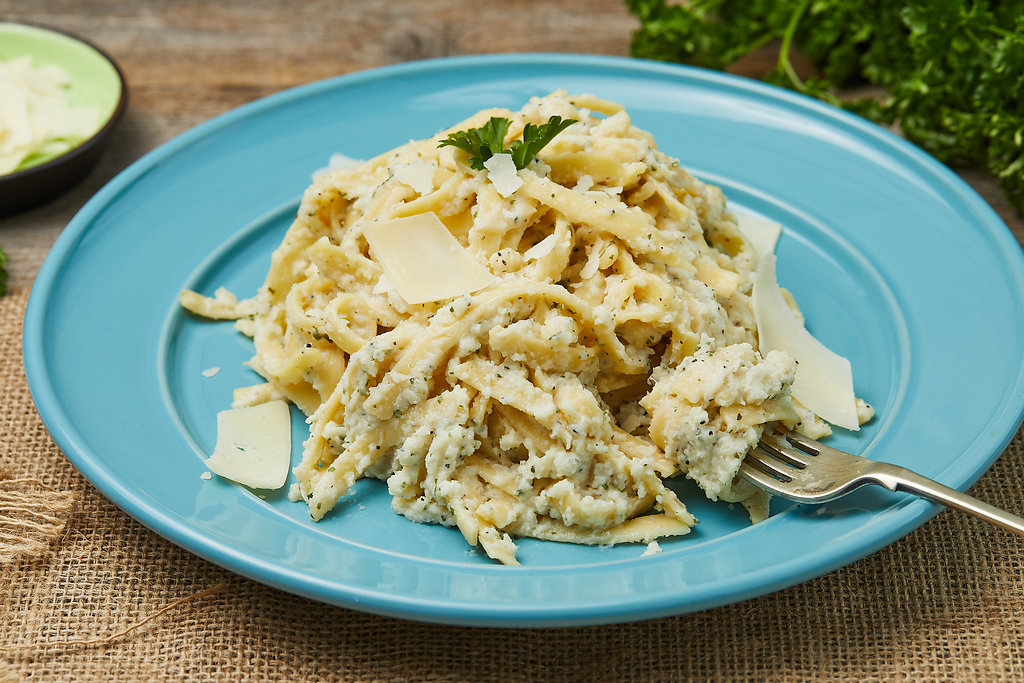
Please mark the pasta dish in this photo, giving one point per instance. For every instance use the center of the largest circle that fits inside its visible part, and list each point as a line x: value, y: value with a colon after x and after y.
x: 520, y: 352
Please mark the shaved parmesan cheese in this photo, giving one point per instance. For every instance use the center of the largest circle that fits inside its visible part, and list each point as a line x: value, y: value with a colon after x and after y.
x: 254, y: 445
x: 541, y: 249
x: 824, y: 381
x: 419, y: 175
x: 37, y: 122
x: 502, y: 173
x: 422, y: 260
x: 210, y: 372
x: 762, y: 233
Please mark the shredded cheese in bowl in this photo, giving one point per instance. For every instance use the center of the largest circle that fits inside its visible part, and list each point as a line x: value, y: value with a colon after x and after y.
x: 37, y: 121
x: 520, y: 351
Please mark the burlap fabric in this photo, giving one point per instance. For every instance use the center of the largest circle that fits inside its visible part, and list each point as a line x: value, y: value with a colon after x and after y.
x: 943, y: 603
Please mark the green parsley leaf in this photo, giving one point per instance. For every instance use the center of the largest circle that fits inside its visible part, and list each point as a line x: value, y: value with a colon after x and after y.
x: 535, y: 138
x: 484, y: 142
x: 480, y: 143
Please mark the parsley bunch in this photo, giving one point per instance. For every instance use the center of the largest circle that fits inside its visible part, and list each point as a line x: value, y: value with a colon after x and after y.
x: 952, y: 70
x: 484, y: 142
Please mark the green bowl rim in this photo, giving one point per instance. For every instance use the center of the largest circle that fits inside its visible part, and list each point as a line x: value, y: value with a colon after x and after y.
x: 95, y: 138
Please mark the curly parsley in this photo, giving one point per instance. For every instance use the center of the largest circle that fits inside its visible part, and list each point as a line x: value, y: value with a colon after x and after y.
x: 484, y: 142
x: 952, y: 70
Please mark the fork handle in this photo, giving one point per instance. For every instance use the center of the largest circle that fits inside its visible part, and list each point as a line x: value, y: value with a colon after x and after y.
x: 897, y: 478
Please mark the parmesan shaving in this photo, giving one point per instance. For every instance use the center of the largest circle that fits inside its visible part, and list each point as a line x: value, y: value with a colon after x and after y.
x: 824, y: 380
x: 419, y: 175
x: 254, y: 445
x: 422, y: 260
x: 501, y: 171
x: 762, y: 233
x: 541, y: 249
x: 37, y: 122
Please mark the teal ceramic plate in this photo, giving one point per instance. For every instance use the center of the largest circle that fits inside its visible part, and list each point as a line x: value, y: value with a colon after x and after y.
x: 897, y: 264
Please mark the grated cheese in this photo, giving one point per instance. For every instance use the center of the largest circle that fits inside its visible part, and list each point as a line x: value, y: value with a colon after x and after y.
x: 36, y: 119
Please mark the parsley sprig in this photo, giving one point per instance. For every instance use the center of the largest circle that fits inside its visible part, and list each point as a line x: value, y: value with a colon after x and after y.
x: 484, y: 142
x: 952, y: 70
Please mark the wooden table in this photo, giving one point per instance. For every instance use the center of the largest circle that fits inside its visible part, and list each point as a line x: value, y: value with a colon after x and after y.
x: 189, y: 60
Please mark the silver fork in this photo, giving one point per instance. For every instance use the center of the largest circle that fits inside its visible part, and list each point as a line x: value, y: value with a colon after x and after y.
x: 792, y: 466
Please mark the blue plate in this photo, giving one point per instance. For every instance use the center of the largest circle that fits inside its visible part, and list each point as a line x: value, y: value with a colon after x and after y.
x: 897, y: 264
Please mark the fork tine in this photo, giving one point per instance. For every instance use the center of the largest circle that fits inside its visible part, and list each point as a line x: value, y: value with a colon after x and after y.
x: 758, y: 476
x: 776, y: 445
x: 780, y: 471
x: 808, y: 446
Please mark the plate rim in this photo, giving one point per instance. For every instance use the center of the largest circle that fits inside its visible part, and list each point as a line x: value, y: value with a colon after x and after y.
x: 911, y: 514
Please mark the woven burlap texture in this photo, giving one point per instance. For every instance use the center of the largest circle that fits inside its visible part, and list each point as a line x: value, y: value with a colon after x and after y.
x: 32, y: 516
x: 943, y: 603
